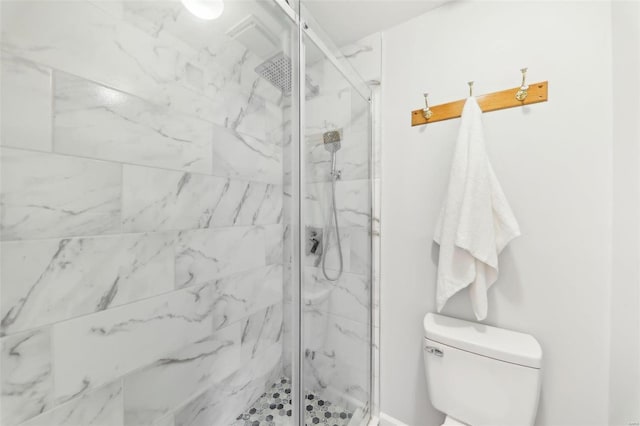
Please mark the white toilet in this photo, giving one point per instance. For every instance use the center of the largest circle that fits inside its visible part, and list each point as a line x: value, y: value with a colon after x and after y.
x: 480, y: 375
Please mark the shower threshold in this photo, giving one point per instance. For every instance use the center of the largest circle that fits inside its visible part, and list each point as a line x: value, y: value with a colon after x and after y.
x: 273, y: 408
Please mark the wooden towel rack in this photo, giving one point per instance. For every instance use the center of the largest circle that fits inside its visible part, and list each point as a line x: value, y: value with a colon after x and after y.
x: 510, y: 98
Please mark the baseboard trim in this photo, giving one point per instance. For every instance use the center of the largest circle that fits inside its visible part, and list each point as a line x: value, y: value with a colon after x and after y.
x: 387, y: 420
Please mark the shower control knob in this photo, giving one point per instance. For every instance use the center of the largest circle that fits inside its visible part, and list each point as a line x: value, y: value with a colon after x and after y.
x: 314, y: 245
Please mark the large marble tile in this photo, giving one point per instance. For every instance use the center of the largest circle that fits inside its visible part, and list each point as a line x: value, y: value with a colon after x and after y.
x: 102, y: 407
x: 165, y: 421
x: 243, y: 156
x: 261, y: 204
x: 275, y: 236
x: 339, y: 378
x: 25, y: 102
x: 96, y: 349
x: 360, y: 251
x: 330, y: 110
x: 46, y: 281
x: 352, y: 159
x: 95, y: 121
x: 238, y: 296
x: 45, y: 195
x: 353, y: 200
x: 82, y: 39
x: 176, y: 378
x: 205, y: 255
x: 261, y: 331
x: 287, y: 341
x: 349, y: 386
x: 365, y: 55
x: 348, y: 297
x: 335, y: 339
x: 220, y: 405
x: 114, y: 8
x: 158, y: 199
x: 229, y: 62
x: 26, y: 383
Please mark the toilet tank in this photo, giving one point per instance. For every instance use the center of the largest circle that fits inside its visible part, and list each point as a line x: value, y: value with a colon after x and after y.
x: 481, y: 375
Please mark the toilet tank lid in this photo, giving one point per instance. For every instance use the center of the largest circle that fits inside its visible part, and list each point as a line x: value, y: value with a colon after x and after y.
x: 493, y: 342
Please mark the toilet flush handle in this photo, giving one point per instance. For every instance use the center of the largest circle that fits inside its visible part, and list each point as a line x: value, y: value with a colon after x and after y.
x: 434, y: 351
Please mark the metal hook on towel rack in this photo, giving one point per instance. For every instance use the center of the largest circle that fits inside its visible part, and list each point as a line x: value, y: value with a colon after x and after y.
x: 470, y: 83
x: 522, y: 94
x: 426, y: 112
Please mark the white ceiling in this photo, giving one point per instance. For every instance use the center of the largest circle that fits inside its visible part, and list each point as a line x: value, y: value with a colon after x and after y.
x: 346, y: 21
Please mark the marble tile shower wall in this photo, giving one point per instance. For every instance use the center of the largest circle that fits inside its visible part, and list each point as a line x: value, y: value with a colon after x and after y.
x: 141, y: 223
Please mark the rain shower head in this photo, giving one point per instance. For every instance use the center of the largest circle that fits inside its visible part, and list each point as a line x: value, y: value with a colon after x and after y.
x: 331, y: 140
x: 277, y: 71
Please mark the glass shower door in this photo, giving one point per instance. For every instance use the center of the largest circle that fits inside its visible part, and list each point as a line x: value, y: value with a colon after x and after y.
x: 336, y: 262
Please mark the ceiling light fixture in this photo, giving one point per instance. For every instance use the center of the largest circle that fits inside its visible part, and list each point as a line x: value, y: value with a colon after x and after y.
x: 204, y: 9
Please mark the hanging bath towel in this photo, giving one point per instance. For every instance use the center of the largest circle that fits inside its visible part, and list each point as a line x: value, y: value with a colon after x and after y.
x: 476, y: 222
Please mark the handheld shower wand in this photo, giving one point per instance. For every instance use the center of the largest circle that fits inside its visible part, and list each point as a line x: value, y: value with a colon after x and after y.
x: 332, y: 144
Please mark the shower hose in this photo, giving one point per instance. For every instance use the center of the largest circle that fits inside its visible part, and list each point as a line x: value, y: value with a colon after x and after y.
x: 334, y: 219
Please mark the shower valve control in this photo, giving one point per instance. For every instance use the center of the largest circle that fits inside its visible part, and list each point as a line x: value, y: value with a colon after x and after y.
x: 314, y: 241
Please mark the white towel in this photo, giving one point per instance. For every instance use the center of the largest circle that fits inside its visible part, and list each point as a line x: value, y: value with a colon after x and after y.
x: 476, y: 222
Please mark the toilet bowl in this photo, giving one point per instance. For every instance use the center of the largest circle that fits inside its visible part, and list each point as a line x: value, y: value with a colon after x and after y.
x: 479, y: 375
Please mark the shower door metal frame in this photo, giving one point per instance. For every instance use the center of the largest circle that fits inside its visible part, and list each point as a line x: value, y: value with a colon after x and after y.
x: 297, y: 224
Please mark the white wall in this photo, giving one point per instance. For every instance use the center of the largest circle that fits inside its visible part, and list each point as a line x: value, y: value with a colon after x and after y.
x: 625, y: 291
x: 554, y: 161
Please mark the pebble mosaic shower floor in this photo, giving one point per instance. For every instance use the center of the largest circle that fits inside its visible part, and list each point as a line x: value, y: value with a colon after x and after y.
x: 274, y: 409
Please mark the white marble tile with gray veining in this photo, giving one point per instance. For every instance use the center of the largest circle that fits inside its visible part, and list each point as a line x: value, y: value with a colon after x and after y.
x: 255, y: 116
x: 223, y: 56
x: 336, y: 361
x: 46, y: 281
x: 260, y: 204
x: 114, y: 8
x: 365, y: 56
x: 165, y: 421
x: 224, y: 70
x: 238, y: 296
x: 360, y: 251
x: 26, y: 383
x: 158, y: 199
x: 178, y: 377
x: 336, y: 338
x: 261, y: 330
x: 242, y: 156
x: 331, y: 110
x: 349, y: 296
x: 275, y: 236
x: 109, y: 51
x: 349, y: 385
x: 221, y: 405
x: 205, y: 255
x: 25, y: 102
x: 102, y: 407
x: 95, y: 121
x: 352, y: 159
x: 46, y: 195
x: 353, y: 201
x: 95, y: 349
x: 153, y: 63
